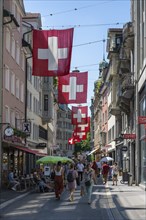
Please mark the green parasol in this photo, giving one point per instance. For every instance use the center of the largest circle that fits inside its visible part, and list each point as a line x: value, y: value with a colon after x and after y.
x: 53, y: 160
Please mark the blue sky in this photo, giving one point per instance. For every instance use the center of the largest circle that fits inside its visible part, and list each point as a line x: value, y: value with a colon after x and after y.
x: 91, y: 21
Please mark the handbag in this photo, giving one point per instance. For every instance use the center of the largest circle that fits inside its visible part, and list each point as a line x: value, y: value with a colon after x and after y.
x: 88, y: 183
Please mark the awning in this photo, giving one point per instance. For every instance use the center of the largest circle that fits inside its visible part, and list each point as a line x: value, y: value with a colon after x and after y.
x: 93, y: 151
x: 31, y: 151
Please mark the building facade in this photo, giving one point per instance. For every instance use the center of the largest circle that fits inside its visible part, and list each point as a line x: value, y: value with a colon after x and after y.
x: 126, y: 80
x: 27, y: 102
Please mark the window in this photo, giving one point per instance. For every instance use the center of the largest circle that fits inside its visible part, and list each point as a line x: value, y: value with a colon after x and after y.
x: 45, y: 102
x: 109, y: 135
x: 17, y: 54
x: 35, y: 132
x: 29, y: 100
x: 29, y: 72
x: 7, y: 116
x: 7, y: 78
x: 17, y: 88
x: 8, y: 39
x: 105, y: 116
x: 12, y: 118
x: 17, y: 120
x: 13, y: 48
x: 12, y: 82
x: 22, y: 61
x: 14, y: 8
x: 22, y: 92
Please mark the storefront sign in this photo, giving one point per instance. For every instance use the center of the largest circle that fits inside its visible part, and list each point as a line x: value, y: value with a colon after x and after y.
x: 124, y: 148
x: 41, y: 145
x: 13, y: 139
x: 129, y: 136
x: 142, y: 120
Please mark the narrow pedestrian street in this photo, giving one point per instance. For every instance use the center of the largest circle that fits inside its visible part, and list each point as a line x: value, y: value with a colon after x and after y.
x: 108, y: 203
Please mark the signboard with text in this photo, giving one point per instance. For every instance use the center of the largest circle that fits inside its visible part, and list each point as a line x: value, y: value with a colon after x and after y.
x: 129, y: 136
x: 142, y: 120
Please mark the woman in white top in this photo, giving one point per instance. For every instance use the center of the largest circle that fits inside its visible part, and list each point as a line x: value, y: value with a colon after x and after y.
x: 58, y: 180
x: 89, y: 180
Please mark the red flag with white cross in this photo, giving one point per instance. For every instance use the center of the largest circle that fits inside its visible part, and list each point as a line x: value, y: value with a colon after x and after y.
x: 72, y: 88
x: 52, y: 52
x: 73, y: 140
x: 83, y: 127
x: 79, y: 115
x: 80, y: 135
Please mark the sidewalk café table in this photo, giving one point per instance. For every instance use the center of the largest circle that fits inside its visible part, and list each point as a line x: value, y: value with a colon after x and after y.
x: 26, y: 181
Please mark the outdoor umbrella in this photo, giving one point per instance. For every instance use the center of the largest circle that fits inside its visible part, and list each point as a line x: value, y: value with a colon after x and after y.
x: 106, y: 159
x: 53, y: 160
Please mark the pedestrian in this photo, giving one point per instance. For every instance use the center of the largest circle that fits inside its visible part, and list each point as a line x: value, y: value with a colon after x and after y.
x: 95, y: 168
x: 12, y: 181
x: 80, y: 167
x: 115, y: 171
x: 59, y: 180
x: 99, y: 167
x: 105, y: 171
x: 89, y: 179
x: 71, y: 181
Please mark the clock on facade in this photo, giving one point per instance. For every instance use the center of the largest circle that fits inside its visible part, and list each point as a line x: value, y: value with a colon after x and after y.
x: 9, y: 131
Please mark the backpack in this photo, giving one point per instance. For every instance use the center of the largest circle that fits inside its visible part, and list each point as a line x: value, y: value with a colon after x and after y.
x: 70, y: 177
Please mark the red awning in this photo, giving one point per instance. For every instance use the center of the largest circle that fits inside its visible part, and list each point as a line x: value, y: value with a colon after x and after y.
x: 31, y: 151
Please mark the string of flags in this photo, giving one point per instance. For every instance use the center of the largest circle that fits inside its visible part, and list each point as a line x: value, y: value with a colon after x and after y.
x: 52, y: 50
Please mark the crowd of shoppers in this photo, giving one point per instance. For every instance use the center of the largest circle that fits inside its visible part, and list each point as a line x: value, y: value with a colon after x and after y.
x: 81, y: 174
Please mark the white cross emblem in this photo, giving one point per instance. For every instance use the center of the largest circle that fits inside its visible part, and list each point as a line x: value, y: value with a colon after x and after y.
x: 79, y: 116
x: 71, y: 141
x: 83, y: 127
x: 72, y: 88
x: 52, y: 53
x: 80, y: 134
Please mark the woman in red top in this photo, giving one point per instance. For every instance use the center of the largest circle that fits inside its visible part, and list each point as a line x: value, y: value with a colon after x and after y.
x: 105, y: 170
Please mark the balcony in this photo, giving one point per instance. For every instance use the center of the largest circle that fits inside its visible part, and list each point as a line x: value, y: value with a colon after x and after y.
x: 124, y: 104
x: 114, y: 110
x: 128, y: 35
x: 128, y: 86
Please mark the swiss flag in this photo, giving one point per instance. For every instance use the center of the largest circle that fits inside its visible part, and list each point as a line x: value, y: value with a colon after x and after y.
x: 79, y: 115
x: 52, y: 52
x: 80, y: 135
x: 73, y: 140
x: 73, y: 88
x: 83, y: 127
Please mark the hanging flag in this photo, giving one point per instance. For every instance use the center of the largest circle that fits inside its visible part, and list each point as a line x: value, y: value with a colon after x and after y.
x: 80, y: 135
x: 79, y: 115
x: 73, y: 140
x: 83, y: 127
x: 52, y: 52
x: 73, y: 88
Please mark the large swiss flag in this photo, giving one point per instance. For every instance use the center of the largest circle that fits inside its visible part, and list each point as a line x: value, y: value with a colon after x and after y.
x: 72, y: 88
x: 83, y: 127
x: 79, y: 115
x: 52, y: 52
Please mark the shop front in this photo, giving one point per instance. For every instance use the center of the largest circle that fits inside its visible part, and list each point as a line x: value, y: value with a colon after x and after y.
x: 19, y: 159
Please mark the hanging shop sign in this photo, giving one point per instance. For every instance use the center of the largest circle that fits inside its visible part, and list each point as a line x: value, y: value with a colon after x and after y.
x: 142, y: 120
x: 129, y: 136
